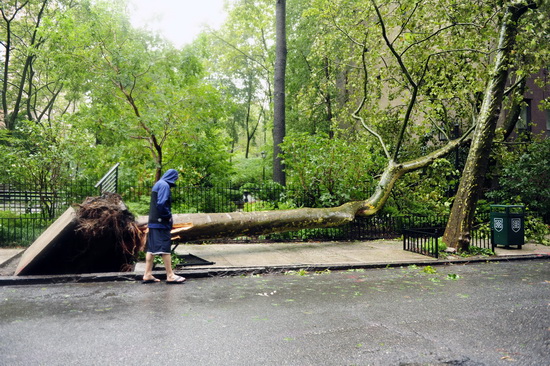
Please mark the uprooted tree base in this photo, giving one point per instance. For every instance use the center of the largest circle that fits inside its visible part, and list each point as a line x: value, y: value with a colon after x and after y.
x: 101, y: 237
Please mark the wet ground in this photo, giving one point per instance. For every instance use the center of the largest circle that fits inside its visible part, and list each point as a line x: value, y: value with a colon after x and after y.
x: 478, y: 314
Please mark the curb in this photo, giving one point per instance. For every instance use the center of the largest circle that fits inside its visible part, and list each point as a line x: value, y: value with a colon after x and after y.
x: 240, y: 271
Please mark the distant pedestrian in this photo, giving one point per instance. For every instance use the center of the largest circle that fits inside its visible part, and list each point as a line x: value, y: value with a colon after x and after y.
x: 160, y: 223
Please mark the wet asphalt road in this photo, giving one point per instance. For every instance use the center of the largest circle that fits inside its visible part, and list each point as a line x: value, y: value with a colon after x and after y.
x: 477, y: 314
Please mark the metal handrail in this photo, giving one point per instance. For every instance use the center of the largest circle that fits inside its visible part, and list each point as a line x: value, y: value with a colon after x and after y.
x: 109, y: 182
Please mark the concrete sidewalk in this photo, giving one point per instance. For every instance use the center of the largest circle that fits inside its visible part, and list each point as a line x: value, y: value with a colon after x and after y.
x: 330, y: 255
x: 232, y: 259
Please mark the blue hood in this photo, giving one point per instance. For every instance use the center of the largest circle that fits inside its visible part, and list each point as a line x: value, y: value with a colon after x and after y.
x: 170, y: 177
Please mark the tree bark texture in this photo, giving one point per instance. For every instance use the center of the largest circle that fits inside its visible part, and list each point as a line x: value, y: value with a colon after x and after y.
x: 457, y: 232
x: 279, y: 92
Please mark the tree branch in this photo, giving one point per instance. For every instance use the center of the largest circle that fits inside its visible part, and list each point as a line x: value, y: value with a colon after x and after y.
x: 413, y: 84
x: 355, y: 113
x: 242, y: 52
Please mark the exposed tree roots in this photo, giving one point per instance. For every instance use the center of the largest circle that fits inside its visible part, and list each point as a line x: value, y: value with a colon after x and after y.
x: 107, y: 233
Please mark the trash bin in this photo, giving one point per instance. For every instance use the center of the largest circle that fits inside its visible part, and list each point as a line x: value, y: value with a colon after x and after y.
x: 507, y: 225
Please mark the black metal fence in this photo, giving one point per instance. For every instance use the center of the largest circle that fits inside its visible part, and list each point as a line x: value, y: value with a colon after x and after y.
x: 423, y: 240
x: 20, y: 231
x: 426, y: 240
x: 362, y: 228
x: 25, y: 211
x: 17, y: 199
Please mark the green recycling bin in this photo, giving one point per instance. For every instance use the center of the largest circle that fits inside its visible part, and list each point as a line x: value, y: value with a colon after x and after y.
x: 507, y: 225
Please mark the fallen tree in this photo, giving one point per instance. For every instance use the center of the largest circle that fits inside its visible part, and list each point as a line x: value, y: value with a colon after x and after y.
x: 200, y: 226
x: 107, y: 235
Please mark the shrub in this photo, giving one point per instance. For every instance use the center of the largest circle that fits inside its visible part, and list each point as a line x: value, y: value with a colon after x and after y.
x: 524, y: 179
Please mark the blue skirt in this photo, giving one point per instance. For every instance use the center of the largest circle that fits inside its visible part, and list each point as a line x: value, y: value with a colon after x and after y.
x: 159, y: 241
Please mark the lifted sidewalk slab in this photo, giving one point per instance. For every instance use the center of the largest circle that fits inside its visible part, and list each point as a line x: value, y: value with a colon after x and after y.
x: 32, y: 259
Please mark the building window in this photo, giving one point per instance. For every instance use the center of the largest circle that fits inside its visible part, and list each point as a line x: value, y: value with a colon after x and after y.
x: 524, y: 121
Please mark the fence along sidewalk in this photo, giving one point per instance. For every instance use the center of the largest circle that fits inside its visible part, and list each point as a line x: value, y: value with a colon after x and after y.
x: 21, y: 201
x: 26, y: 198
x: 30, y: 210
x: 25, y: 211
x: 23, y: 228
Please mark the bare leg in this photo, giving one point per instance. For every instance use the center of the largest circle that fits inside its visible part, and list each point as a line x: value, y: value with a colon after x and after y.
x: 167, y: 259
x: 148, y: 275
x: 170, y: 275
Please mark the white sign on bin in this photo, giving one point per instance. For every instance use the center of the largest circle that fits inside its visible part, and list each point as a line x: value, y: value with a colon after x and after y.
x: 498, y: 224
x: 516, y: 224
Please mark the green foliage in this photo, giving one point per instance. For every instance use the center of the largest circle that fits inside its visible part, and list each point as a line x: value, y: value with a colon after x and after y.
x: 20, y: 230
x: 157, y: 260
x: 310, y: 234
x: 47, y: 157
x: 284, y: 237
x: 266, y: 196
x: 300, y: 272
x: 190, y: 200
x: 45, y: 160
x: 327, y: 171
x: 429, y: 270
x: 140, y: 207
x: 240, y: 57
x: 252, y: 170
x: 441, y: 246
x: 537, y: 230
x: 483, y: 229
x: 474, y: 251
x: 524, y: 178
x: 176, y: 260
x: 427, y: 191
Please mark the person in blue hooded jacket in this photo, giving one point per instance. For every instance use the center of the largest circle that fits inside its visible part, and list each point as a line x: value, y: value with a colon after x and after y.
x: 160, y: 224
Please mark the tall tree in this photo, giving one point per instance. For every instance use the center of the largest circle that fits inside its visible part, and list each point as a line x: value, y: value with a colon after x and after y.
x: 42, y: 76
x: 279, y: 122
x: 151, y: 85
x: 21, y: 23
x: 317, y: 80
x: 457, y: 232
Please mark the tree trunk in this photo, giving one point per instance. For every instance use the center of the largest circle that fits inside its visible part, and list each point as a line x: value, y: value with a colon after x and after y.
x: 233, y: 224
x: 457, y: 232
x: 279, y: 92
x: 11, y: 118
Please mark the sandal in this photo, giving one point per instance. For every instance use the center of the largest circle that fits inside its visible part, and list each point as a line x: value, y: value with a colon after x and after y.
x: 152, y: 280
x: 176, y: 280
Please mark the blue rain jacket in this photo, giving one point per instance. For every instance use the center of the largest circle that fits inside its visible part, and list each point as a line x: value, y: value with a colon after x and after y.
x: 160, y: 211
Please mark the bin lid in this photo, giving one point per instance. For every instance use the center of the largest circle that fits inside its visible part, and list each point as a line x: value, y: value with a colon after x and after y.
x: 508, y: 208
